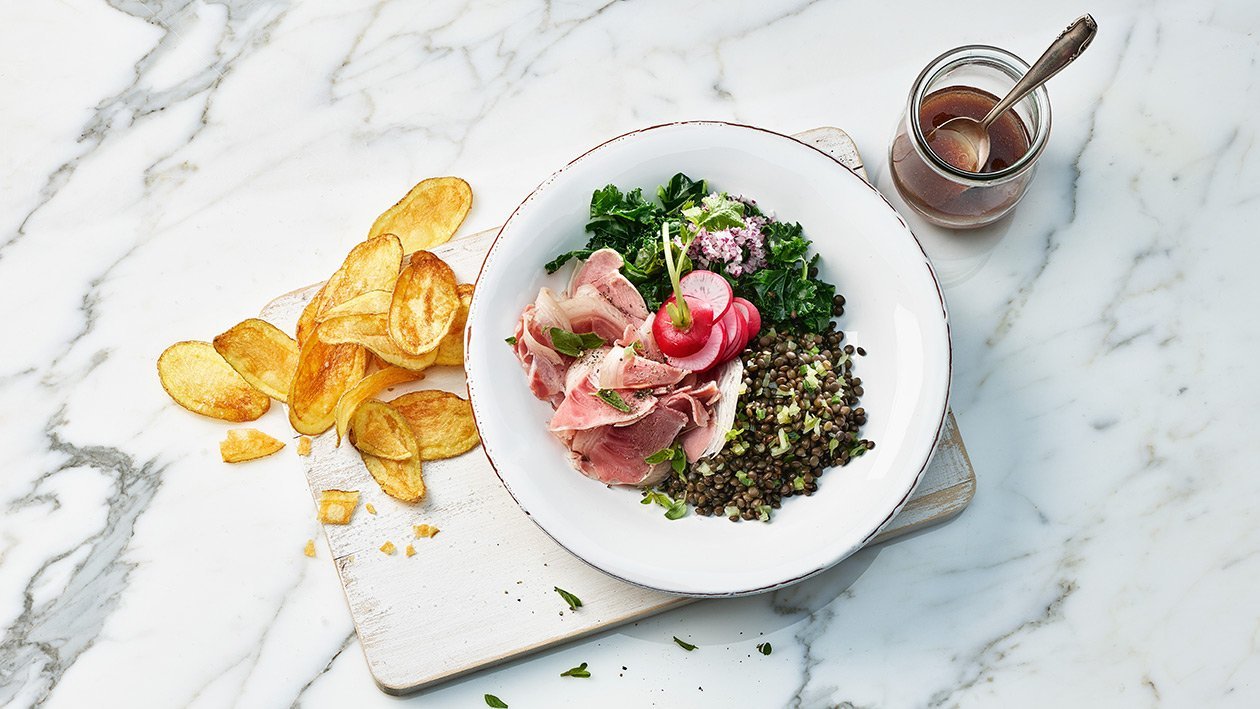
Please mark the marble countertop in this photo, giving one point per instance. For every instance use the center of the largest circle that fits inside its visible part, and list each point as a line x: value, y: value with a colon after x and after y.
x: 168, y: 167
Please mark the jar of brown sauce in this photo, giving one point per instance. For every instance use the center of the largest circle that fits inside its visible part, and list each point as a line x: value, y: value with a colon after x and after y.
x: 942, y: 186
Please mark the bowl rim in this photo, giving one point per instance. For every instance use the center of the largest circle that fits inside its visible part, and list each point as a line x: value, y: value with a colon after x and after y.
x: 949, y: 363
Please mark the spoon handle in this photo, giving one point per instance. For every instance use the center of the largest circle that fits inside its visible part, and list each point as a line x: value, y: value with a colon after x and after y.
x: 1063, y: 51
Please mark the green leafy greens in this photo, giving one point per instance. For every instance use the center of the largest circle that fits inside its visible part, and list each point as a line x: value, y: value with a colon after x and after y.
x: 493, y: 701
x: 573, y: 601
x: 784, y: 291
x: 573, y: 344
x: 579, y: 671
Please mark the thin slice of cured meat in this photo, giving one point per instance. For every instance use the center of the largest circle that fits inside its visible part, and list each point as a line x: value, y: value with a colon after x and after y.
x: 544, y: 367
x: 603, y: 271
x: 582, y: 409
x: 624, y: 368
x: 615, y: 454
x: 588, y: 311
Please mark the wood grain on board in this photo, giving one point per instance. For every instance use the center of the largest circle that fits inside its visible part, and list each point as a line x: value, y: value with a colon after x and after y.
x: 424, y: 619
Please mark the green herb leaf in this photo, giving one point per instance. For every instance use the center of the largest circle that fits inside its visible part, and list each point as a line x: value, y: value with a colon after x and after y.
x: 743, y: 477
x: 683, y: 644
x: 613, y: 399
x: 573, y: 344
x: 555, y: 264
x: 510, y: 340
x: 677, y: 510
x: 680, y: 462
x: 858, y: 450
x: 573, y: 601
x: 660, y: 456
x: 679, y: 191
x: 579, y: 671
x: 764, y: 648
x: 716, y: 212
x: 493, y: 701
x: 798, y: 483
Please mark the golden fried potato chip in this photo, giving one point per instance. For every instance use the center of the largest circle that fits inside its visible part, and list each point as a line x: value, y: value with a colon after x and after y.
x: 337, y: 506
x: 262, y: 354
x: 381, y: 431
x: 428, y: 215
x: 400, y: 479
x: 200, y: 380
x: 373, y: 302
x: 324, y: 373
x: 371, y: 265
x: 371, y: 331
x: 442, y: 422
x: 367, y: 388
x: 451, y: 350
x: 309, y: 550
x: 426, y: 301
x: 244, y: 444
x: 304, y: 446
x: 389, y: 548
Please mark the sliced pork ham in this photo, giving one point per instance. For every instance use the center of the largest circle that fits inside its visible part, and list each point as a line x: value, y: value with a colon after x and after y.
x: 615, y: 455
x: 624, y: 368
x: 589, y: 311
x: 602, y: 271
x: 582, y: 409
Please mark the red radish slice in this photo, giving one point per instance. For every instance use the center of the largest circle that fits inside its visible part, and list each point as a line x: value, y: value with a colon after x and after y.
x: 706, y: 357
x: 733, y: 331
x: 678, y: 343
x: 752, y: 317
x: 710, y: 288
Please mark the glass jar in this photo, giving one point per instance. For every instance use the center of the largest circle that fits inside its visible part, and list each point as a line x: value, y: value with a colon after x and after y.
x: 968, y: 81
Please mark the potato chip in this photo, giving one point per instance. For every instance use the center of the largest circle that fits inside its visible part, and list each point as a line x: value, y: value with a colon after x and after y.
x: 373, y: 302
x: 366, y: 389
x: 381, y: 431
x: 411, y: 550
x: 428, y: 215
x: 400, y: 479
x: 371, y: 331
x: 324, y: 373
x: 389, y: 548
x: 371, y: 265
x: 200, y: 380
x: 309, y: 550
x: 442, y: 422
x: 450, y: 351
x: 304, y: 446
x: 244, y: 444
x: 337, y: 506
x: 426, y: 301
x: 425, y: 531
x: 262, y: 354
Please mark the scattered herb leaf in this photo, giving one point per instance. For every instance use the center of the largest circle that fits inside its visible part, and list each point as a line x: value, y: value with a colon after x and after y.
x: 684, y: 644
x: 579, y: 671
x: 660, y: 456
x: 677, y: 510
x: 613, y: 399
x: 573, y: 601
x: 493, y: 701
x: 510, y: 340
x: 573, y: 344
x: 764, y: 648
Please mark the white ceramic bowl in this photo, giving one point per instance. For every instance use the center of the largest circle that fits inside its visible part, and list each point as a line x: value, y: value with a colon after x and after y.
x: 894, y: 310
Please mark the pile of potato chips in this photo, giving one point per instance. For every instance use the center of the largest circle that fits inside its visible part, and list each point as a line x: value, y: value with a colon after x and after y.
x: 389, y: 313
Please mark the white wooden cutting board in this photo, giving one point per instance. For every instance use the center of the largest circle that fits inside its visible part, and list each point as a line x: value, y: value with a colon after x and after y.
x: 424, y: 619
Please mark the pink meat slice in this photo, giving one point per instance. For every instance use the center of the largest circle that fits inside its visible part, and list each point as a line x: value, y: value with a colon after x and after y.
x: 588, y: 311
x: 623, y: 368
x: 646, y: 340
x: 581, y: 409
x: 615, y: 455
x: 603, y: 271
x: 544, y: 367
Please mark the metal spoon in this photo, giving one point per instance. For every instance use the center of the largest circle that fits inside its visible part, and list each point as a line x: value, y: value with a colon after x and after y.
x: 969, y: 137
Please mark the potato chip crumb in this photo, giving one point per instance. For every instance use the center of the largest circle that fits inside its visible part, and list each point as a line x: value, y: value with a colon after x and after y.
x: 304, y: 446
x: 411, y: 550
x: 371, y: 508
x: 244, y: 444
x: 337, y: 506
x: 424, y: 530
x: 388, y: 548
x: 310, y: 548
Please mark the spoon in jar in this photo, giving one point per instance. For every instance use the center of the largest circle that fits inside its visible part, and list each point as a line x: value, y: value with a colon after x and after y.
x: 964, y: 142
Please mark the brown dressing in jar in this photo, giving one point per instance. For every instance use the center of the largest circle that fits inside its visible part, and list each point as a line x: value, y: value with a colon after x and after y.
x: 940, y: 198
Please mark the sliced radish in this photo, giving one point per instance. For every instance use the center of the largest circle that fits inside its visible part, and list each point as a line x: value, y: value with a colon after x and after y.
x: 708, y: 287
x: 706, y: 357
x: 732, y: 325
x: 752, y: 318
x: 681, y: 343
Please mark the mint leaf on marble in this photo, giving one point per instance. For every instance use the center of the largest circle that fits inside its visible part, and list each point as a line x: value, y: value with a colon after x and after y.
x: 493, y: 701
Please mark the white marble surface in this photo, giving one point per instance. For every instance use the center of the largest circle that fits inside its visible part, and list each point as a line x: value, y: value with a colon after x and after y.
x: 167, y: 167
